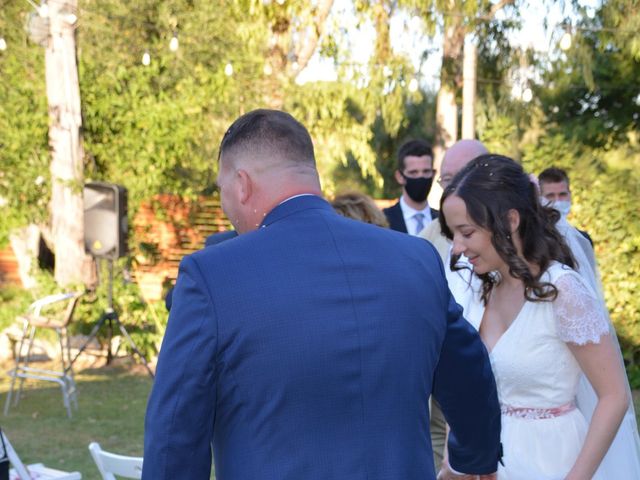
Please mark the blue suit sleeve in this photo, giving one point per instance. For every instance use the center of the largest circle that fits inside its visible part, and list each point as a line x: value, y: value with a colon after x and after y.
x: 181, y: 409
x: 465, y: 388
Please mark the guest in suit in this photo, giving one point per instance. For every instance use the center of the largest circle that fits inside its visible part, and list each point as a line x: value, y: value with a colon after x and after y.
x: 287, y: 352
x: 415, y: 173
x: 554, y: 187
x: 213, y: 239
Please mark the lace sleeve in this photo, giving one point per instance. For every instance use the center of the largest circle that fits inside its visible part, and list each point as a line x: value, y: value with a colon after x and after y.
x: 580, y: 316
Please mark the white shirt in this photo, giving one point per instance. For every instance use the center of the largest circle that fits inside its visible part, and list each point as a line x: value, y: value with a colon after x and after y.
x: 408, y: 214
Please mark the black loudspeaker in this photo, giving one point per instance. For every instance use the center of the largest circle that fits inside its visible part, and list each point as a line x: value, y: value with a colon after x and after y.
x: 105, y: 220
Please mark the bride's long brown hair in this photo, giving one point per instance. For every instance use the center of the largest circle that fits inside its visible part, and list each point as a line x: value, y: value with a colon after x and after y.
x: 490, y: 186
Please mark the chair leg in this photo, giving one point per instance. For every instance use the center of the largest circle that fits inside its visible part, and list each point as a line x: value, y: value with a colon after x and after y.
x: 67, y: 368
x: 26, y: 361
x: 63, y: 384
x: 14, y: 372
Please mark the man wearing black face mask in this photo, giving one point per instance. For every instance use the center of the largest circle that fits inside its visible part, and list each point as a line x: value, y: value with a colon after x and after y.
x: 415, y: 173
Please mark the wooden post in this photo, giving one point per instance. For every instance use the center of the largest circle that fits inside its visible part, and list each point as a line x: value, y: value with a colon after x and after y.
x: 67, y: 154
x: 469, y: 90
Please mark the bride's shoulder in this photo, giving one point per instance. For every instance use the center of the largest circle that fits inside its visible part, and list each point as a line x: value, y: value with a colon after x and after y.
x: 557, y: 270
x: 568, y: 280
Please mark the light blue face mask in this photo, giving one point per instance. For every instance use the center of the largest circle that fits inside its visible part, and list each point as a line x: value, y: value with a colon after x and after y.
x: 563, y: 206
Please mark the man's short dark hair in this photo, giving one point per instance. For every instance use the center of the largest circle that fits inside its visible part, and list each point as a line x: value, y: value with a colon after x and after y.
x: 413, y: 148
x: 553, y: 175
x: 269, y: 132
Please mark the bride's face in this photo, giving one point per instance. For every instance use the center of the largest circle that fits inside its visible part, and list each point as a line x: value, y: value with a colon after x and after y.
x: 470, y: 239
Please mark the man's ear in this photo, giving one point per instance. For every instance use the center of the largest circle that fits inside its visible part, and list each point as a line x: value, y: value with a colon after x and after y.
x: 246, y: 186
x: 399, y: 178
x: 514, y: 220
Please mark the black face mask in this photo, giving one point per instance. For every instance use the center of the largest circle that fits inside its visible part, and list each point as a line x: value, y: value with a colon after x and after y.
x: 417, y: 188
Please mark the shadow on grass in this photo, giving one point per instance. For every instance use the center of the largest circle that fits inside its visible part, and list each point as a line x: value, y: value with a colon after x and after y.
x: 111, y: 406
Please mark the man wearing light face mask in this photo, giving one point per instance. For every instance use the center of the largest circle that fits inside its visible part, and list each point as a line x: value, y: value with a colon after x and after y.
x: 554, y: 187
x: 415, y: 173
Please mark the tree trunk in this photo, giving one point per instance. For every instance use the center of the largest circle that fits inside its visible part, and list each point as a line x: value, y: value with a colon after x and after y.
x: 67, y: 177
x: 450, y: 82
x: 469, y: 91
x: 446, y: 107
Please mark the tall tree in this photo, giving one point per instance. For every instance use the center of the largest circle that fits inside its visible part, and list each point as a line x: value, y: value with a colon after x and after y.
x: 458, y: 18
x: 592, y: 90
x: 67, y: 153
x: 295, y: 30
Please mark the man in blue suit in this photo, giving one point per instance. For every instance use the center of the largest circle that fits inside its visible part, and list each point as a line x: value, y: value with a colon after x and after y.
x: 307, y: 347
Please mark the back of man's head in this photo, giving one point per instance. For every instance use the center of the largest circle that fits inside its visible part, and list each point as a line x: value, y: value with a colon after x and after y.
x: 458, y: 155
x: 265, y: 157
x: 553, y: 175
x: 269, y: 136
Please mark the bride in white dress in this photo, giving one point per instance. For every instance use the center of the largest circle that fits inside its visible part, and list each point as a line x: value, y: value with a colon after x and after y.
x: 543, y: 325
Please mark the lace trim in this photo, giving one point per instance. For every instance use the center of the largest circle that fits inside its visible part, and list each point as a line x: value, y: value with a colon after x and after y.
x: 580, y: 316
x: 536, y: 413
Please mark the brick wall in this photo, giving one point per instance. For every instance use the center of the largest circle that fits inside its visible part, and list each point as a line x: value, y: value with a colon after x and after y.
x: 165, y: 229
x: 9, y: 267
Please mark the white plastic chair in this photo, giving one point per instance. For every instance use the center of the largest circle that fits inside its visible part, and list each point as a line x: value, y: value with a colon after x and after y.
x: 110, y: 464
x: 33, y: 471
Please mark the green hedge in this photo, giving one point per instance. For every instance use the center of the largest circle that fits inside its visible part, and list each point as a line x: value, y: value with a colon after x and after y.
x: 605, y: 203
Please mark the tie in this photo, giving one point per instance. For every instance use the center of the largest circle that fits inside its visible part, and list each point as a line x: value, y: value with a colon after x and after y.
x: 419, y: 222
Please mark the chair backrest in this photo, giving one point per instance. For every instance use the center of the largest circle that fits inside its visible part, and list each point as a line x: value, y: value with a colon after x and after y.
x: 71, y: 298
x: 110, y: 464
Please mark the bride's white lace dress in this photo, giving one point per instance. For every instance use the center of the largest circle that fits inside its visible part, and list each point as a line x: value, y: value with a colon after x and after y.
x: 538, y: 378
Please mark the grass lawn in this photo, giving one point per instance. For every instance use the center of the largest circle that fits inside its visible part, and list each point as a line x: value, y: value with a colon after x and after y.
x: 112, y: 401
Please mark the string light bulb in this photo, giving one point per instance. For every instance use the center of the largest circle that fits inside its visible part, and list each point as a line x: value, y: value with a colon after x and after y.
x: 565, y: 41
x: 228, y: 69
x: 3, y: 44
x: 71, y: 18
x: 413, y: 85
x: 43, y: 10
x: 146, y: 59
x: 174, y: 43
x: 527, y: 95
x: 268, y: 70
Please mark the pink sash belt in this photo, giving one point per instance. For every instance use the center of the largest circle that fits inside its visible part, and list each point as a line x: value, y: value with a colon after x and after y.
x: 536, y: 413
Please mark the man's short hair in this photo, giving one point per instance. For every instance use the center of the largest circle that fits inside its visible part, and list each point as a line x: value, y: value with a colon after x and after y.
x: 270, y: 133
x: 553, y: 175
x: 413, y: 148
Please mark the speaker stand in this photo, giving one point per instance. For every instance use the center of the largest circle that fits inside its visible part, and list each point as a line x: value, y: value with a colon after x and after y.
x: 110, y: 317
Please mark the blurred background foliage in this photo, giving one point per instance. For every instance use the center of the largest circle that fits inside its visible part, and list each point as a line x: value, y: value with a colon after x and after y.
x: 156, y: 128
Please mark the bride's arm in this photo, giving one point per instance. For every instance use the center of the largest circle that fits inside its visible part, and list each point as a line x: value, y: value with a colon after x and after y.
x: 600, y: 362
x: 583, y: 324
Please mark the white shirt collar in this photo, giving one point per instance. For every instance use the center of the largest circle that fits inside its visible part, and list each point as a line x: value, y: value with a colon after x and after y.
x: 296, y: 196
x: 409, y: 212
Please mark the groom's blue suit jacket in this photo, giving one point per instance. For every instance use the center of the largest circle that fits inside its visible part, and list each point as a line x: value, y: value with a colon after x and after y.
x: 308, y: 349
